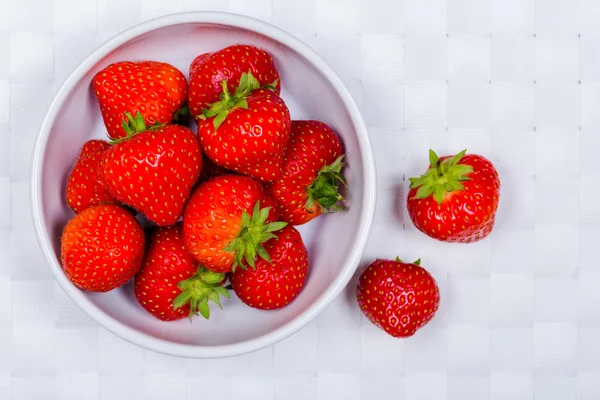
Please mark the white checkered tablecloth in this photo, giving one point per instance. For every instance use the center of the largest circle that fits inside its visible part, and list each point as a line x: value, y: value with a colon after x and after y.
x: 517, y: 80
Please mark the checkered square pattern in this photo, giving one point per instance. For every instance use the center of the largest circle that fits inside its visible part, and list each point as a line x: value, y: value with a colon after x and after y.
x: 517, y: 80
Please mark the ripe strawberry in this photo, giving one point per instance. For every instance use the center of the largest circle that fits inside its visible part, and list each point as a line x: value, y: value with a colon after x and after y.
x: 277, y: 280
x: 247, y: 131
x: 456, y: 199
x: 196, y: 64
x: 84, y: 188
x: 209, y: 70
x: 226, y: 221
x: 153, y: 171
x: 398, y: 297
x: 171, y: 285
x: 102, y: 248
x: 154, y: 89
x: 310, y: 176
x: 92, y: 146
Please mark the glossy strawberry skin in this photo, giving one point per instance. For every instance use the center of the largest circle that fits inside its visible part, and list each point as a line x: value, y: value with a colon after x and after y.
x: 84, y: 188
x: 397, y: 297
x: 212, y: 217
x: 251, y: 141
x: 102, y: 248
x: 197, y: 63
x: 312, y: 146
x: 154, y: 171
x: 154, y: 89
x: 209, y: 70
x: 93, y: 146
x: 276, y: 284
x: 166, y: 263
x: 464, y: 216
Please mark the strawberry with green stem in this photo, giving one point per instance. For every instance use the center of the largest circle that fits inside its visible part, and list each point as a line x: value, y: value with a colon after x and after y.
x: 226, y: 221
x: 155, y: 90
x: 311, y: 173
x: 209, y: 70
x: 456, y: 199
x: 276, y: 279
x: 171, y: 285
x: 152, y: 170
x: 246, y: 131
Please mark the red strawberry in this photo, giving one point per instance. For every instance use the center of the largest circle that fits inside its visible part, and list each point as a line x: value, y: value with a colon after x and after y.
x: 102, y: 248
x: 91, y: 147
x: 456, y: 199
x: 196, y: 64
x: 226, y: 221
x: 154, y: 89
x: 153, y: 171
x: 247, y: 131
x: 309, y: 181
x: 171, y: 285
x: 83, y: 185
x: 209, y: 70
x: 398, y: 297
x: 277, y: 280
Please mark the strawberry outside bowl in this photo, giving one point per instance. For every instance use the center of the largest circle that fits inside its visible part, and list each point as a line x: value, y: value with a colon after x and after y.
x: 311, y: 90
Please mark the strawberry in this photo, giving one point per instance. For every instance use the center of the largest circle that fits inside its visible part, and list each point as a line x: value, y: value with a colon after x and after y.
x: 93, y: 146
x: 209, y: 70
x: 195, y: 65
x: 398, y: 297
x: 171, y: 285
x: 84, y: 188
x: 154, y: 89
x: 102, y: 248
x: 456, y: 199
x: 277, y: 280
x: 310, y: 176
x: 247, y: 131
x: 153, y: 171
x: 223, y: 222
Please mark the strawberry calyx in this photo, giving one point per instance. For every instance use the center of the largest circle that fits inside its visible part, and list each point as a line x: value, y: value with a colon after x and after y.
x: 325, y: 188
x: 134, y: 126
x: 197, y: 290
x: 230, y: 101
x: 254, y: 231
x: 272, y: 86
x: 442, y: 177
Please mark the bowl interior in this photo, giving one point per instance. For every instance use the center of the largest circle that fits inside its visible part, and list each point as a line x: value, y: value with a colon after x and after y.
x: 330, y: 239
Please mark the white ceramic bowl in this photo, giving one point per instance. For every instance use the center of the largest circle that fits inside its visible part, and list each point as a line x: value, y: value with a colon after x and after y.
x: 311, y: 90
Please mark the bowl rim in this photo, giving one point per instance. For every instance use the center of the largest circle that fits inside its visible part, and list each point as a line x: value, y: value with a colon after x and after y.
x: 180, y: 349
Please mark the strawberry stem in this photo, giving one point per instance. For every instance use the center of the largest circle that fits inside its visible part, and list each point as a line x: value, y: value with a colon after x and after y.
x: 325, y: 189
x: 197, y: 290
x: 442, y: 177
x: 248, y: 245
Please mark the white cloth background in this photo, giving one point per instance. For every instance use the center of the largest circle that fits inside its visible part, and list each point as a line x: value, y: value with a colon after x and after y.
x: 517, y: 80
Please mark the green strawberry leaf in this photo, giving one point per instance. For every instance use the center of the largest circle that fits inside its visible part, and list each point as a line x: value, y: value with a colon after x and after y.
x: 442, y: 177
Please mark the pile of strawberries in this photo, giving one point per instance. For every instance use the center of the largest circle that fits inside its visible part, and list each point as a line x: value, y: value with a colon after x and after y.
x: 218, y: 205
